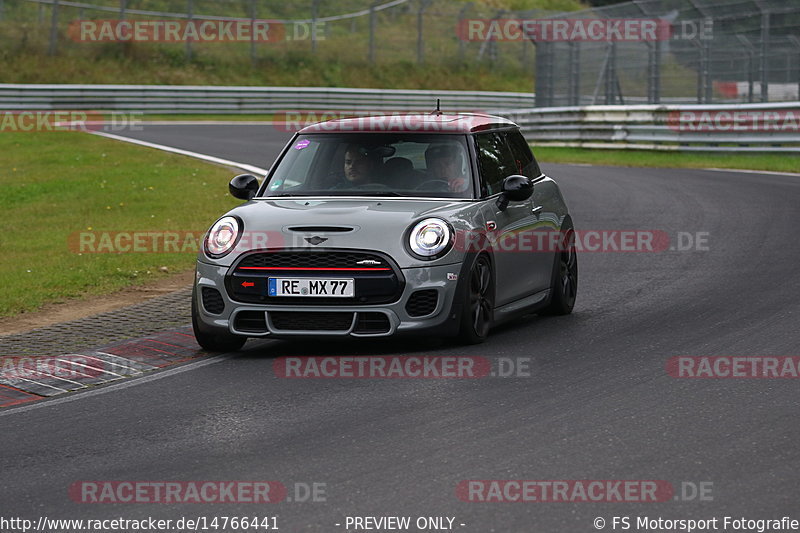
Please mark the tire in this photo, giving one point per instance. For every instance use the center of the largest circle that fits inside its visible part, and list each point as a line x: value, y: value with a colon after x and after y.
x: 564, y: 282
x: 478, y: 308
x: 214, y: 342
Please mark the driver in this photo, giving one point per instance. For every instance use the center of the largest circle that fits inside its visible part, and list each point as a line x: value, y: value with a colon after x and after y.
x: 360, y: 166
x: 444, y: 162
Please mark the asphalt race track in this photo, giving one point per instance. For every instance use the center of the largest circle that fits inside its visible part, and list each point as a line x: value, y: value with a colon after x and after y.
x: 598, y: 403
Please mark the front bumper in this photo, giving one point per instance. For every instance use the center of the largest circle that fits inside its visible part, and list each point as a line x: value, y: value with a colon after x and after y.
x: 348, y: 320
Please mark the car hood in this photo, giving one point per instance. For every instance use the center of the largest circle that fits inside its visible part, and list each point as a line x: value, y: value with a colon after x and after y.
x: 370, y: 224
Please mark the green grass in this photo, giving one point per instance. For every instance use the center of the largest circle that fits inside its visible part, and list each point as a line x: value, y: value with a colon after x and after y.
x: 340, y: 60
x: 637, y: 158
x: 215, y: 118
x: 56, y: 184
x: 151, y: 67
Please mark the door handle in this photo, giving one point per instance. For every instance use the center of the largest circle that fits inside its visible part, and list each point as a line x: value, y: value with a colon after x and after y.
x: 536, y: 209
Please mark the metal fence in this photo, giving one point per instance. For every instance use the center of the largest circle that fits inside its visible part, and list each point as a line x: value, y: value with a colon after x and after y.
x: 712, y: 51
x: 243, y: 100
x: 771, y: 127
x: 371, y: 31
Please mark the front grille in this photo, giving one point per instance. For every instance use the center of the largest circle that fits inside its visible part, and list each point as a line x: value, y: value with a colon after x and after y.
x: 250, y: 322
x: 311, y: 321
x: 212, y: 301
x: 377, y: 279
x: 313, y: 260
x: 422, y: 302
x: 372, y: 323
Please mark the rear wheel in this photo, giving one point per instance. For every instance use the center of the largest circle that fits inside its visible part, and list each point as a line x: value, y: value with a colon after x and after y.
x: 564, y: 284
x: 476, y: 318
x: 214, y: 342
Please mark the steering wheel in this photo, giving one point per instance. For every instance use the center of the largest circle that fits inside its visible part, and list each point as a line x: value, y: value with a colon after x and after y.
x: 434, y: 186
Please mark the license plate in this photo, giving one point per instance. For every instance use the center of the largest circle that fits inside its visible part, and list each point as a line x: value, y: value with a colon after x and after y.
x: 326, y: 288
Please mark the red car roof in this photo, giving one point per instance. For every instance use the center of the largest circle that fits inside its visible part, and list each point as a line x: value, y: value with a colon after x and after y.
x: 412, y: 123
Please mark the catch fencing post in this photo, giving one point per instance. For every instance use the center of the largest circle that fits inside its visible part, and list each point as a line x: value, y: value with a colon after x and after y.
x: 372, y: 21
x: 190, y: 13
x: 53, y: 29
x: 795, y: 41
x: 574, y: 82
x: 314, y: 9
x: 654, y: 72
x: 702, y: 69
x: 423, y: 5
x: 462, y: 39
x: 751, y: 63
x: 611, y: 74
x: 707, y: 80
x: 252, y: 36
x: 764, y: 56
x: 544, y: 73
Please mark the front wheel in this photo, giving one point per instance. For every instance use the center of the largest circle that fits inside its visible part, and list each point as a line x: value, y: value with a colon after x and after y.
x: 564, y: 283
x: 476, y: 317
x: 214, y: 342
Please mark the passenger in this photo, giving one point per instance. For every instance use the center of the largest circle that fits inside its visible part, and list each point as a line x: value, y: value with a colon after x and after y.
x: 445, y: 162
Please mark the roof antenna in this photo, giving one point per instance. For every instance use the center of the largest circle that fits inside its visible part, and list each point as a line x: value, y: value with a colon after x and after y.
x: 438, y: 110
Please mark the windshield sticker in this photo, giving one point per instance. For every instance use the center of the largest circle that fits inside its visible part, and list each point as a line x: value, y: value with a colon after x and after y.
x: 302, y: 144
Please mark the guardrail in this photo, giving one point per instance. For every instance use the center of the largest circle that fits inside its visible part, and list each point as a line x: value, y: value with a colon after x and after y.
x: 772, y: 127
x: 769, y: 127
x: 247, y: 100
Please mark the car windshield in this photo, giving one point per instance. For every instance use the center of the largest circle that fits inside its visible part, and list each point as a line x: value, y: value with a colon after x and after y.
x: 353, y: 164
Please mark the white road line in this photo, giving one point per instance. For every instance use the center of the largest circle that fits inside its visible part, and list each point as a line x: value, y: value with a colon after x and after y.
x: 775, y: 173
x: 715, y: 169
x: 130, y: 381
x: 119, y: 386
x: 196, y: 155
x: 128, y: 363
x: 59, y: 389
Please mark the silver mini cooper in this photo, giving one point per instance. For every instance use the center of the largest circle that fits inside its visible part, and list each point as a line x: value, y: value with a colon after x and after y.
x: 438, y: 224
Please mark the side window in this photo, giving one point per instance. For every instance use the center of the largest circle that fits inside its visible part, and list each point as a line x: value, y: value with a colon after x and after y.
x: 295, y: 167
x: 526, y: 163
x: 494, y: 161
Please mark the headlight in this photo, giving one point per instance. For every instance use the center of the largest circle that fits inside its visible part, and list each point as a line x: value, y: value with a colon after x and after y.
x: 223, y: 236
x: 430, y: 238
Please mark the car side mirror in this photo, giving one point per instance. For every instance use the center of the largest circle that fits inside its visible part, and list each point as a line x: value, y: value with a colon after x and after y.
x: 516, y: 188
x: 243, y: 186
